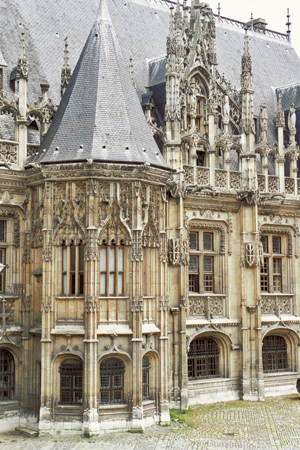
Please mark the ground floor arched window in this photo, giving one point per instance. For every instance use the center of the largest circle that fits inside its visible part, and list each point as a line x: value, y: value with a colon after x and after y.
x: 203, y: 359
x: 7, y: 375
x: 112, y: 381
x: 71, y: 381
x: 274, y: 354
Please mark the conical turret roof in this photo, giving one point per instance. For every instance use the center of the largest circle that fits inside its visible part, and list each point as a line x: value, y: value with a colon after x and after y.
x: 100, y: 117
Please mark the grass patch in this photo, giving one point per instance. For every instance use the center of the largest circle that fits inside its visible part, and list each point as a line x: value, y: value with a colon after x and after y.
x: 182, y: 416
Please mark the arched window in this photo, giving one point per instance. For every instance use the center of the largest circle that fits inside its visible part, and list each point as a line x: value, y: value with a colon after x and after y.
x: 146, y: 377
x: 203, y: 359
x: 112, y: 381
x: 274, y: 354
x: 7, y: 375
x: 71, y: 376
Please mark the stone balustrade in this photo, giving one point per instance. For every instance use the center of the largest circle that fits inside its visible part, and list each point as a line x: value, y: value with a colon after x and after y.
x: 207, y: 305
x: 277, y: 304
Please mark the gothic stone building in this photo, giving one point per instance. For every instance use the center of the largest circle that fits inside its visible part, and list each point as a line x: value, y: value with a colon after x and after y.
x: 151, y: 252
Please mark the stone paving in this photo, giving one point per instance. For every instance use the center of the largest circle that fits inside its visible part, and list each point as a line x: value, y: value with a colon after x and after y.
x: 269, y: 425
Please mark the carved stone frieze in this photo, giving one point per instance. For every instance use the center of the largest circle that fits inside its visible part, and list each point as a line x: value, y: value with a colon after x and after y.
x: 276, y: 304
x: 178, y: 251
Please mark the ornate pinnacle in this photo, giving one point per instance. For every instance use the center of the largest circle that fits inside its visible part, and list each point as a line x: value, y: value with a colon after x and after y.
x: 22, y: 66
x: 246, y: 78
x: 66, y: 70
x: 280, y: 122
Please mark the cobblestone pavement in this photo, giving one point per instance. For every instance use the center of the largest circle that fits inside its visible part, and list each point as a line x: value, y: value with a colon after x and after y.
x: 269, y: 425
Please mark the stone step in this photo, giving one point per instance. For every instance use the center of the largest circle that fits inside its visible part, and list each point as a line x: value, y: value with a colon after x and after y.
x: 28, y: 431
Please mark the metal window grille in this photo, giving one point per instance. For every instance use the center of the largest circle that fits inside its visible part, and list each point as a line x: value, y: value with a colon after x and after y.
x: 2, y: 230
x: 274, y: 354
x: 7, y: 375
x: 112, y: 381
x: 2, y: 275
x: 146, y: 378
x: 71, y: 382
x: 203, y: 359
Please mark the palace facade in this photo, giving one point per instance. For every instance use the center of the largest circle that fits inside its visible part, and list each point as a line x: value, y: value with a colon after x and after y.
x: 149, y: 214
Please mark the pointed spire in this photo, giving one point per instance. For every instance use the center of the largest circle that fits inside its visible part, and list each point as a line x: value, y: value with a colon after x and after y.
x: 113, y: 127
x: 66, y: 70
x: 103, y: 13
x: 22, y: 66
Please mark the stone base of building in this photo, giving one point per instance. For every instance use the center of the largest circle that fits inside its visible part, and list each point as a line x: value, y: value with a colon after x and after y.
x: 213, y: 390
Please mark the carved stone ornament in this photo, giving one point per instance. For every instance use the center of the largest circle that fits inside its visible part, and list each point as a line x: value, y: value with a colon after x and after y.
x: 178, y: 251
x: 46, y: 305
x: 137, y: 250
x: 137, y: 305
x: 90, y: 304
x: 253, y: 254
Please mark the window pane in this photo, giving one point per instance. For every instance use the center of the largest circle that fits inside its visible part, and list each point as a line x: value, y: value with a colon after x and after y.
x: 81, y: 284
x: 73, y: 252
x: 102, y: 284
x: 102, y: 259
x: 264, y: 241
x: 277, y: 265
x: 64, y: 259
x: 111, y: 283
x: 120, y: 259
x: 276, y: 245
x: 193, y: 241
x: 72, y: 283
x: 207, y: 241
x: 120, y: 283
x: 193, y: 265
x: 81, y: 259
x: 194, y: 283
x: 111, y: 259
x: 65, y: 284
x: 208, y: 264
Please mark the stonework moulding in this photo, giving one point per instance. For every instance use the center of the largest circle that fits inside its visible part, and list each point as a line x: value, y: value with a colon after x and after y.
x: 282, y: 229
x: 220, y: 225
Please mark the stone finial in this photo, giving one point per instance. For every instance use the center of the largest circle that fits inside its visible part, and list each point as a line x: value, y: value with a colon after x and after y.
x: 22, y: 66
x: 263, y: 122
x: 280, y: 122
x: 66, y: 70
x: 292, y: 124
x: 288, y: 24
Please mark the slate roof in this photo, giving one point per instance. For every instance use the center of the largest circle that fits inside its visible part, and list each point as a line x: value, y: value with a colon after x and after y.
x: 141, y: 27
x: 100, y: 117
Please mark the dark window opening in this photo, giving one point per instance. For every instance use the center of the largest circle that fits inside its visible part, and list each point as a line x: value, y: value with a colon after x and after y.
x: 274, y: 354
x: 203, y: 359
x: 71, y: 382
x: 112, y: 381
x: 7, y: 375
x: 146, y: 378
